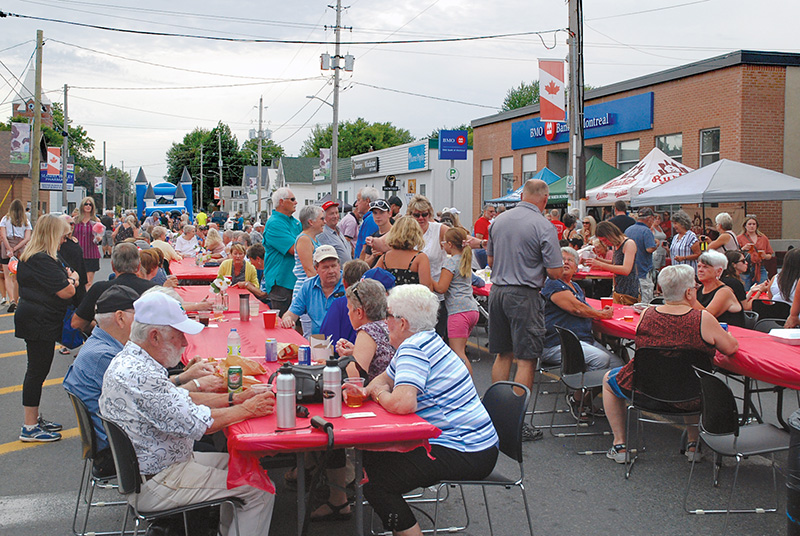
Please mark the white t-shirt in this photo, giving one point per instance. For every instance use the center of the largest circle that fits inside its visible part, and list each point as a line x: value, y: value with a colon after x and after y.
x: 13, y: 230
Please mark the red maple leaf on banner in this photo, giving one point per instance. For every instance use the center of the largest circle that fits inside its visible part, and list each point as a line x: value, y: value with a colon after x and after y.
x: 551, y: 88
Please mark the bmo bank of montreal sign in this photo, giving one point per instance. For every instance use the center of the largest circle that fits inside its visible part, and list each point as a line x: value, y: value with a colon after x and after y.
x: 630, y: 114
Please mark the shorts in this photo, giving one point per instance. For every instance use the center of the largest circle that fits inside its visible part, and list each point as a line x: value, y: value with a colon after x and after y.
x: 615, y: 388
x: 107, y: 240
x: 4, y: 260
x: 516, y: 321
x: 92, y: 265
x: 459, y: 325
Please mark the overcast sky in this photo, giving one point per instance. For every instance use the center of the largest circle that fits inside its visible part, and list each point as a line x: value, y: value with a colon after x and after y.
x: 623, y: 39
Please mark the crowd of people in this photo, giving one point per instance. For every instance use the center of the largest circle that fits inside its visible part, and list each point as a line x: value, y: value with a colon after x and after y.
x: 393, y: 287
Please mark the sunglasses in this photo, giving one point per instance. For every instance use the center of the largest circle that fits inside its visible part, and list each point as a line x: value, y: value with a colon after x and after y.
x: 587, y: 223
x: 88, y: 204
x: 420, y: 214
x: 355, y: 293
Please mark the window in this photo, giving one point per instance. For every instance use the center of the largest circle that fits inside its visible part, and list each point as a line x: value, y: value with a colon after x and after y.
x: 422, y: 189
x: 506, y: 175
x: 486, y: 181
x: 671, y: 145
x: 528, y: 166
x: 627, y: 154
x: 709, y: 146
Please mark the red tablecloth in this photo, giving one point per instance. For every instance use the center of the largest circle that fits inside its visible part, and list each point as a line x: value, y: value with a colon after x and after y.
x: 759, y: 356
x: 187, y: 269
x: 593, y: 274
x: 254, y: 438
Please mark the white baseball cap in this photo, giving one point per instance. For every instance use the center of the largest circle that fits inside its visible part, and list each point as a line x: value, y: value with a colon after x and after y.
x: 162, y: 310
x: 325, y: 252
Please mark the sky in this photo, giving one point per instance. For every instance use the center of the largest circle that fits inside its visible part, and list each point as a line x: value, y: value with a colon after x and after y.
x: 142, y: 93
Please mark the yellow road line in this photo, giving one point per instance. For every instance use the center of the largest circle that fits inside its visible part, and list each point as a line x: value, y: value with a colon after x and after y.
x: 6, y: 331
x: 7, y: 314
x: 9, y: 354
x: 14, y: 446
x: 18, y: 388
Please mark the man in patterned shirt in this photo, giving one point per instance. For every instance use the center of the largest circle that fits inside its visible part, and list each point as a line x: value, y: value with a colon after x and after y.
x: 163, y: 421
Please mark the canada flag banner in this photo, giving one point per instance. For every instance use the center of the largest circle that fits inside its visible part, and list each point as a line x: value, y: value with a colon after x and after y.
x: 551, y: 91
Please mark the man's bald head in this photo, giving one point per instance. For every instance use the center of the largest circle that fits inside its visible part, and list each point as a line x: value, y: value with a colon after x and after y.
x: 535, y: 192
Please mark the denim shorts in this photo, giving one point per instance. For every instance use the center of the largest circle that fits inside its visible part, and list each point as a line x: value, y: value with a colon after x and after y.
x: 612, y: 382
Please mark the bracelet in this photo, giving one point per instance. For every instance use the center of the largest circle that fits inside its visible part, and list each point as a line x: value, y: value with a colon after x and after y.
x: 230, y: 399
x: 378, y: 398
x: 196, y: 384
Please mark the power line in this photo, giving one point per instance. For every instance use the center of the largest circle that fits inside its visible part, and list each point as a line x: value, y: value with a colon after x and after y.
x: 427, y: 96
x: 145, y: 111
x: 280, y: 41
x: 649, y: 10
x: 215, y: 86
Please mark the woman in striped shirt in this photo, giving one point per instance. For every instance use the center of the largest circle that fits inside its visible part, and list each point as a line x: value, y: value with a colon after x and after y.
x: 685, y: 248
x: 84, y: 222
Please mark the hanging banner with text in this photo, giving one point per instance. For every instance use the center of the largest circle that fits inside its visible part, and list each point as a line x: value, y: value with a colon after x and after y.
x: 50, y: 172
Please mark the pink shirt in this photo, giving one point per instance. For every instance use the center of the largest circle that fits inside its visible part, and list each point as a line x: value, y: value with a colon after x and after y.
x: 85, y: 235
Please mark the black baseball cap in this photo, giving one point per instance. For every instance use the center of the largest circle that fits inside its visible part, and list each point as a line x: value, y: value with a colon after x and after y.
x: 380, y: 204
x: 116, y: 298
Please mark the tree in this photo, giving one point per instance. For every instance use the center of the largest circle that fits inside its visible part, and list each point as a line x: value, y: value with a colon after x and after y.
x: 434, y: 135
x: 355, y: 137
x: 524, y: 95
x: 270, y: 152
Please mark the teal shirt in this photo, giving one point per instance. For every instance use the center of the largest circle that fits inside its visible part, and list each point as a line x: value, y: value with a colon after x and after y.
x: 280, y: 233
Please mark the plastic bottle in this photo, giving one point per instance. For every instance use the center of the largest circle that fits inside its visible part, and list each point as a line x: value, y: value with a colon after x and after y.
x: 234, y: 343
x: 331, y: 389
x: 285, y: 399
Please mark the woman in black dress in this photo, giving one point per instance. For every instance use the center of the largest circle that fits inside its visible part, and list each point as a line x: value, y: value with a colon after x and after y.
x: 46, y: 287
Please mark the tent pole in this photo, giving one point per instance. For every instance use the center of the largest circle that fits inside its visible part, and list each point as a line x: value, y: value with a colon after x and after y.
x: 703, y: 226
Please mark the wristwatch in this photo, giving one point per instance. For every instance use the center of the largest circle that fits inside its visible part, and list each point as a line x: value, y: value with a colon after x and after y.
x: 230, y: 399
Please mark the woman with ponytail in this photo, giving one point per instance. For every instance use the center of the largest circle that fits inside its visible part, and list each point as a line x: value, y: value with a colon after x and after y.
x: 455, y: 282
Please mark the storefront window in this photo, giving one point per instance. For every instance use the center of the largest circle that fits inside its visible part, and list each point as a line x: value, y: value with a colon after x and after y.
x: 671, y: 145
x: 528, y: 166
x: 507, y: 174
x: 486, y: 181
x: 709, y: 146
x: 422, y: 190
x: 627, y: 154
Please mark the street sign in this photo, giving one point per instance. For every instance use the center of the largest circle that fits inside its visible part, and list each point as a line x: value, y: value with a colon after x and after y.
x: 390, y: 184
x: 570, y: 184
x: 452, y: 145
x: 452, y: 174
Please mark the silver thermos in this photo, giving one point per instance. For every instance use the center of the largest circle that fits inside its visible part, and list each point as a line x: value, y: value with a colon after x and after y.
x: 285, y: 401
x: 331, y: 389
x: 244, y: 307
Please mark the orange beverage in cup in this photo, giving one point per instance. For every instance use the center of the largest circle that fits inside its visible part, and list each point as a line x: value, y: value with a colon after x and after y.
x: 353, y: 392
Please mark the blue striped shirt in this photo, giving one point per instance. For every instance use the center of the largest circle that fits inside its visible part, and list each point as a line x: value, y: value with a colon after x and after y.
x: 446, y: 396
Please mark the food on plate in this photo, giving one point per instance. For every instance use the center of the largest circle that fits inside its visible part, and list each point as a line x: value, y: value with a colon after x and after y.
x: 288, y: 351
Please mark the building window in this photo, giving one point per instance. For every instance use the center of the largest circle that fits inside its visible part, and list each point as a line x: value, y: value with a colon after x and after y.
x: 709, y: 146
x: 506, y: 175
x: 671, y: 145
x: 528, y: 166
x: 422, y: 190
x: 486, y: 181
x: 627, y: 154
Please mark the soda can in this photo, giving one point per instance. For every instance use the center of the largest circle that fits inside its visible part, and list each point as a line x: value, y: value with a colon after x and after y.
x: 271, y: 350
x: 304, y: 355
x: 235, y: 378
x: 724, y: 325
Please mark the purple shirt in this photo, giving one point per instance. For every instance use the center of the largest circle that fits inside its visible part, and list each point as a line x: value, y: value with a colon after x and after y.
x: 85, y: 235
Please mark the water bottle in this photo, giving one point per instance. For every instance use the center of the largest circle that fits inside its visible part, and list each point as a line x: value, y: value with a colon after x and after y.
x: 331, y: 389
x: 234, y: 343
x: 285, y: 400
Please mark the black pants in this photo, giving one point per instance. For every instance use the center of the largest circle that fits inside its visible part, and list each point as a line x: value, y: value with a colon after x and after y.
x: 391, y: 474
x: 280, y: 298
x: 40, y: 357
x: 441, y: 323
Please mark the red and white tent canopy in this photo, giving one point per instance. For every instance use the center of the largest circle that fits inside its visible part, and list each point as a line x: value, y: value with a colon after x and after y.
x: 653, y: 170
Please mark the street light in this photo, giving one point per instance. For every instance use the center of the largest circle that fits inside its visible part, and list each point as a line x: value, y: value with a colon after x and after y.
x: 334, y: 135
x: 319, y: 99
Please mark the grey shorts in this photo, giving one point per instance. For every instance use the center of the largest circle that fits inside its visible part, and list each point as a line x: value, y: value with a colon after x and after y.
x: 516, y: 321
x: 107, y: 240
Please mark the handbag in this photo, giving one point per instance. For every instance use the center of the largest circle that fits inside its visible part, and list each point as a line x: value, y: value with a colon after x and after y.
x: 12, y: 241
x: 71, y: 337
x: 308, y: 380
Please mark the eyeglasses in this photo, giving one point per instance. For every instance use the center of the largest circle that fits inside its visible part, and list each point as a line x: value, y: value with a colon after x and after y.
x: 419, y: 215
x: 587, y: 223
x: 355, y: 293
x: 88, y: 204
x: 291, y: 198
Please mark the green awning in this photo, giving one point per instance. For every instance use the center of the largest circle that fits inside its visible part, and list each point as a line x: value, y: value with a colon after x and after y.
x: 597, y: 174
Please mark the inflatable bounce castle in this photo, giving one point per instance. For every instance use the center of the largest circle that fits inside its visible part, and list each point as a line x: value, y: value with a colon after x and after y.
x: 164, y: 197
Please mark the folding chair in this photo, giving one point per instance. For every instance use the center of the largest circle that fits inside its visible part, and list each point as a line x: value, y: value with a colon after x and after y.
x: 772, y: 309
x: 662, y: 379
x: 507, y: 411
x: 765, y: 325
x: 720, y: 431
x: 750, y: 319
x: 130, y: 482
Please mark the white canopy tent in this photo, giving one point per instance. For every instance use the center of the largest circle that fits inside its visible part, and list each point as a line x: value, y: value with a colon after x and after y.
x: 652, y: 171
x: 724, y: 181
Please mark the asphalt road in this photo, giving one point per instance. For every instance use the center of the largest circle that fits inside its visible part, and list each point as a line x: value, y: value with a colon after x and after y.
x: 569, y: 494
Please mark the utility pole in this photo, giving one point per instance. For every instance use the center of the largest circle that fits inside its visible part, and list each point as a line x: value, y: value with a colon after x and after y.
x: 258, y: 181
x: 37, y: 130
x: 219, y: 150
x: 64, y: 154
x: 201, y: 177
x: 577, y: 158
x: 335, y: 129
x: 105, y: 181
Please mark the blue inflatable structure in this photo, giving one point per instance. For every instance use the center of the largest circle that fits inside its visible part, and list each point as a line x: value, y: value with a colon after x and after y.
x: 164, y: 197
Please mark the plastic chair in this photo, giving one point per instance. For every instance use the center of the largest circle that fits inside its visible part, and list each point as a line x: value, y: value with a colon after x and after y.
x: 750, y: 319
x: 771, y: 309
x: 574, y: 376
x: 662, y: 378
x: 507, y: 411
x: 720, y: 431
x: 130, y: 482
x: 88, y: 480
x: 765, y: 325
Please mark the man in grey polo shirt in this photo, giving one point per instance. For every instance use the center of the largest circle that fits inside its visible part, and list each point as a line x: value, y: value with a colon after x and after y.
x: 331, y: 235
x: 523, y: 251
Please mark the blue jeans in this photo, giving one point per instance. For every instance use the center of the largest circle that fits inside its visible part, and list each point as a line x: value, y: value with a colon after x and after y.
x: 748, y: 281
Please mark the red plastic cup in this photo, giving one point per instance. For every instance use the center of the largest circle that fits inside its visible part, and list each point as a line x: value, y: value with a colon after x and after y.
x: 606, y: 302
x: 270, y: 319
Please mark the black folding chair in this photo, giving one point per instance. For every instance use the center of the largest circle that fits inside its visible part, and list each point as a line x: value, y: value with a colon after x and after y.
x: 765, y: 325
x: 130, y: 482
x: 771, y: 309
x: 720, y: 431
x: 663, y: 380
x: 750, y: 319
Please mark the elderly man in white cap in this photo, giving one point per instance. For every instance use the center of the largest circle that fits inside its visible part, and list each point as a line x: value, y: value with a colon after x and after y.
x: 163, y: 421
x: 317, y: 293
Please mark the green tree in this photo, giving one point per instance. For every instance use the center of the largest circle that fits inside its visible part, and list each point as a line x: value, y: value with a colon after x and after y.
x: 270, y: 152
x: 355, y: 137
x: 523, y: 95
x: 435, y: 132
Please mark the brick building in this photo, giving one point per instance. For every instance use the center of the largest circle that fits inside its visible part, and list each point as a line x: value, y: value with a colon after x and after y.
x: 743, y: 106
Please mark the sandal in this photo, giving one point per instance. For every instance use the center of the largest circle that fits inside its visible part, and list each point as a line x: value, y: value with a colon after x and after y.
x: 64, y: 351
x: 336, y: 513
x: 693, y: 455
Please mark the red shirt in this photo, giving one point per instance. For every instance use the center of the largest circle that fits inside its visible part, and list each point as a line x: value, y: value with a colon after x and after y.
x: 560, y: 227
x: 482, y: 227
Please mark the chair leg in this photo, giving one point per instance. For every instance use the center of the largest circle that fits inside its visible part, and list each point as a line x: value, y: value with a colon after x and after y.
x: 88, y: 505
x: 236, y: 519
x: 730, y: 495
x: 84, y: 479
x: 488, y: 513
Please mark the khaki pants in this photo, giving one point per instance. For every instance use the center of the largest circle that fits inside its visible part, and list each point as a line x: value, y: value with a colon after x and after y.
x: 204, y: 478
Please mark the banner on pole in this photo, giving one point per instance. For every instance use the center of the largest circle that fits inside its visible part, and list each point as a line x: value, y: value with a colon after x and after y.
x: 50, y: 171
x: 20, y: 143
x: 551, y: 91
x: 98, y: 185
x: 216, y: 192
x: 325, y: 161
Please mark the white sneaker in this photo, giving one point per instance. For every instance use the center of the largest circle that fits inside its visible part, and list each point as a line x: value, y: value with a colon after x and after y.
x: 4, y: 301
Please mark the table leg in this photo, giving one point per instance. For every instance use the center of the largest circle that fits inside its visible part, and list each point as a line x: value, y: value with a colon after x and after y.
x: 359, y: 506
x: 301, y: 492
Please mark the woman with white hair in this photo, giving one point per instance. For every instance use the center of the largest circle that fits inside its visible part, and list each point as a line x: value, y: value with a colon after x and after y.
x: 715, y: 296
x: 186, y: 242
x: 726, y: 241
x: 427, y: 378
x: 679, y: 324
